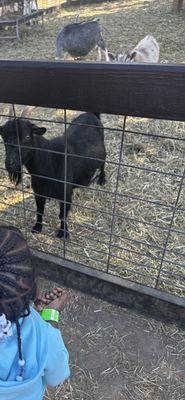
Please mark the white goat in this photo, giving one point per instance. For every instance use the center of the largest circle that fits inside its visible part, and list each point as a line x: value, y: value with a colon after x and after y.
x: 29, y: 6
x: 146, y: 51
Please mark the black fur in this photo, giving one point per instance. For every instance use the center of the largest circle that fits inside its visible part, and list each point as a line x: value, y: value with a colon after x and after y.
x: 15, y: 177
x: 43, y: 166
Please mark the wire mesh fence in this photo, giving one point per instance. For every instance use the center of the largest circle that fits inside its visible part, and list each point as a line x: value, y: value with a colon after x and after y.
x: 133, y: 226
x: 14, y: 13
x: 44, y: 4
x: 15, y: 5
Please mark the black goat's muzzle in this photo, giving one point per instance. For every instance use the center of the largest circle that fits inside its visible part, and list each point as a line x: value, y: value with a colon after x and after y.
x: 14, y: 172
x: 15, y: 177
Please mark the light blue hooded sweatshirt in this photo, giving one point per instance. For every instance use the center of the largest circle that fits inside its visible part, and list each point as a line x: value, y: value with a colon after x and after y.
x: 47, y: 360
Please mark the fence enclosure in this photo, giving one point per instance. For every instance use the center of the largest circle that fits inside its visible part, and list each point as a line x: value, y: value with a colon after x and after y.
x: 15, y: 13
x: 133, y: 227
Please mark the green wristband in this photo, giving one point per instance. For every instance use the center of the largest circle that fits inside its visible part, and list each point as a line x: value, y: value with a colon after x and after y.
x: 48, y: 314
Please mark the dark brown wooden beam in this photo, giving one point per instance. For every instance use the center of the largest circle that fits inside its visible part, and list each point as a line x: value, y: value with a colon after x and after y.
x: 153, y: 91
x: 177, y: 5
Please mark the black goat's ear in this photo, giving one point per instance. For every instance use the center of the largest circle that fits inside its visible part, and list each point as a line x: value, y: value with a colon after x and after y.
x: 133, y: 54
x: 111, y: 56
x: 36, y: 130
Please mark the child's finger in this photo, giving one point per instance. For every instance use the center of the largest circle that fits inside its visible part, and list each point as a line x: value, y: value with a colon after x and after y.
x: 53, y: 294
x: 59, y: 290
x: 56, y: 292
x: 38, y: 304
x: 46, y: 301
x: 49, y: 295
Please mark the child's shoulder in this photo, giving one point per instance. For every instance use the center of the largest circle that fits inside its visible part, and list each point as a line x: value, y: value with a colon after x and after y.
x: 35, y: 316
x: 38, y: 323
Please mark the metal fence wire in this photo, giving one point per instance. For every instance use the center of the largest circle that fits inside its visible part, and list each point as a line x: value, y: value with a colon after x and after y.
x: 133, y: 226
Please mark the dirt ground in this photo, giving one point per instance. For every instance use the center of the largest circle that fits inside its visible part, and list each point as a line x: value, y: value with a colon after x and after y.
x: 118, y: 354
x: 140, y: 228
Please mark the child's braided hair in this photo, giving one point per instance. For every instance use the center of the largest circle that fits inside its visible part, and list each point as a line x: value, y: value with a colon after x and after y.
x: 17, y: 278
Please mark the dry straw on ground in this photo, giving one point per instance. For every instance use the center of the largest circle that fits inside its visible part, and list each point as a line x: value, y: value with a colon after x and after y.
x: 117, y: 354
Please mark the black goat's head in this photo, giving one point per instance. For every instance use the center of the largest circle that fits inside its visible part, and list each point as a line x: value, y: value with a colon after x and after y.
x: 18, y: 136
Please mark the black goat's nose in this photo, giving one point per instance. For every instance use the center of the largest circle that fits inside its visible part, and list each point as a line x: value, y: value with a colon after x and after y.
x: 10, y: 164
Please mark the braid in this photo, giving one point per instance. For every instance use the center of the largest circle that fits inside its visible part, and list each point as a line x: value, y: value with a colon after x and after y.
x: 9, y: 281
x: 12, y: 270
x: 7, y: 245
x: 17, y: 282
x: 21, y: 361
x: 16, y: 272
x: 18, y: 338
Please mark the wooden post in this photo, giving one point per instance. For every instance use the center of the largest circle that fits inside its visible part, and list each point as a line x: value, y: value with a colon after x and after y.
x: 177, y: 5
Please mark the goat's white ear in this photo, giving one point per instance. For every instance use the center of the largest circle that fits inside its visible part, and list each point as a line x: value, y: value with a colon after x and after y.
x: 37, y: 130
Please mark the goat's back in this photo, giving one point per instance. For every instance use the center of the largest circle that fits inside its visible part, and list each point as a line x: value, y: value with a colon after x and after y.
x: 86, y: 139
x: 85, y: 134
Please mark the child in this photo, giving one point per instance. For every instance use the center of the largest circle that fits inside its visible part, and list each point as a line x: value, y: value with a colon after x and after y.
x: 32, y: 352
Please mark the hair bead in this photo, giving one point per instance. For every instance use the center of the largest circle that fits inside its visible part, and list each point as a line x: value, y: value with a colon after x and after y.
x: 21, y: 362
x: 19, y: 378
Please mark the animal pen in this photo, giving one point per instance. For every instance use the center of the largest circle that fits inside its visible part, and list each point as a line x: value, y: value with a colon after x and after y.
x: 14, y: 13
x: 126, y: 239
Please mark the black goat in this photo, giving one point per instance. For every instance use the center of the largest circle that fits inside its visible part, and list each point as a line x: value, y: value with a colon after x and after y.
x: 47, y: 168
x: 79, y: 38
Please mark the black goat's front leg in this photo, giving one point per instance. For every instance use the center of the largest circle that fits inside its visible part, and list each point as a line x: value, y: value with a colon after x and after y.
x: 63, y: 231
x: 40, y: 202
x: 101, y: 178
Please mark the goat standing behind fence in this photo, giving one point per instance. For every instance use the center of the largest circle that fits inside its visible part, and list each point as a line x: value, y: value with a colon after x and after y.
x: 147, y: 50
x: 45, y: 160
x: 79, y: 38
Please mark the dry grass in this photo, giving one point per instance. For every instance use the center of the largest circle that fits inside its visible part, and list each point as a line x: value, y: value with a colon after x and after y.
x: 123, y: 23
x: 116, y: 354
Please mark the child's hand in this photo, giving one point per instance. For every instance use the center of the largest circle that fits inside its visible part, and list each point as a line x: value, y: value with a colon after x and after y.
x: 59, y: 299
x: 53, y: 299
x: 38, y: 304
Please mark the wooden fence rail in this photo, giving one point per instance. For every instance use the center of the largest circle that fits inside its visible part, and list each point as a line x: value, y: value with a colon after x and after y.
x: 153, y: 91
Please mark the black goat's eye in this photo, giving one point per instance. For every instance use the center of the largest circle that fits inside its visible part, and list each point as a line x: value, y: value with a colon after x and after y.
x: 28, y: 137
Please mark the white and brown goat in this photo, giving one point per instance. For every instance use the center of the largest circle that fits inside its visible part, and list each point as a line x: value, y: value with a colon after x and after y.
x: 146, y: 51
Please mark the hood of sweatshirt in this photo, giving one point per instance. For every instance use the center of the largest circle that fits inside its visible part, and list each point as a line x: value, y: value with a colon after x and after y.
x: 34, y: 350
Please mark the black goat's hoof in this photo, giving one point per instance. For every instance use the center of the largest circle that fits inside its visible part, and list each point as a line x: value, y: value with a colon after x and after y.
x: 37, y: 228
x: 101, y: 180
x: 60, y: 234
